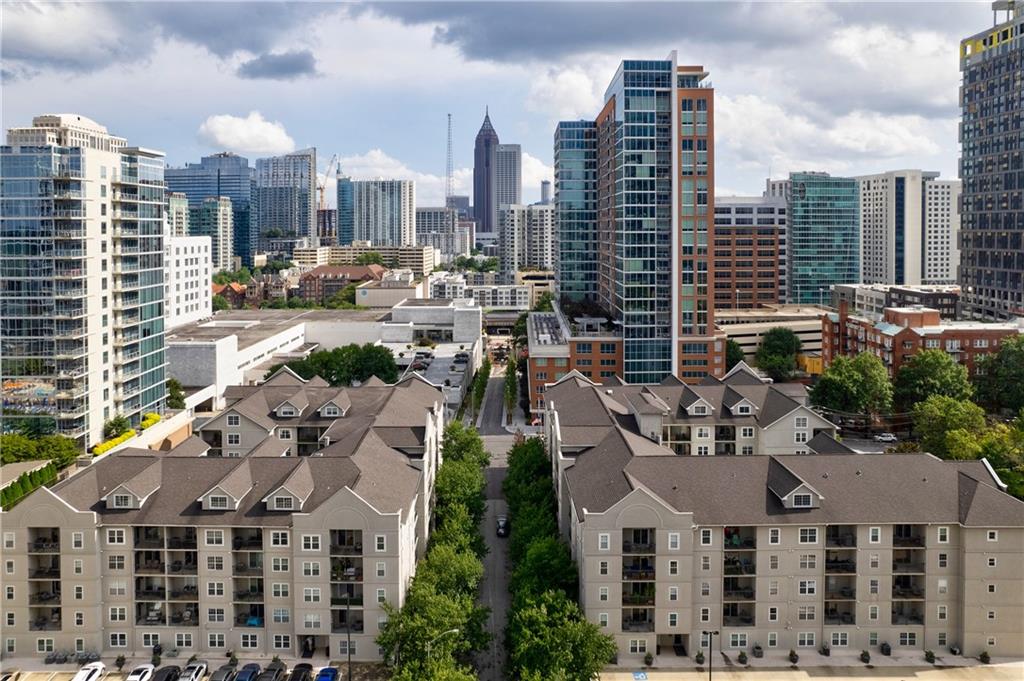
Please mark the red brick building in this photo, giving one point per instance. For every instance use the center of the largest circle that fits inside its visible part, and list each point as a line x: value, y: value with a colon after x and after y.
x: 233, y: 292
x: 321, y: 283
x: 902, y: 332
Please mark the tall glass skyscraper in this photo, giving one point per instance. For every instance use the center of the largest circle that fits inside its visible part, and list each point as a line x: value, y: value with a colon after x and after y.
x: 485, y: 181
x: 223, y: 174
x: 991, y: 166
x: 824, y: 235
x: 576, y: 209
x: 284, y: 198
x: 82, y: 274
x: 346, y: 211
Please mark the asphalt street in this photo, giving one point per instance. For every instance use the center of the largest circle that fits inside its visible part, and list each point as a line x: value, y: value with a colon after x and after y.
x: 494, y: 587
x: 490, y: 420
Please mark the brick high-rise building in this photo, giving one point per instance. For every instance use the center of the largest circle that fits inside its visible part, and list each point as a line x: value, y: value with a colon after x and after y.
x: 750, y: 251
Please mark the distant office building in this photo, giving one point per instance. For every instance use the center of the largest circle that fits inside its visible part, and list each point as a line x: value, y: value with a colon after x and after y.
x: 539, y: 282
x: 177, y: 214
x: 991, y: 140
x: 461, y: 203
x: 485, y: 180
x: 908, y: 228
x: 80, y: 343
x: 383, y: 211
x: 442, y: 229
x: 346, y: 211
x: 545, y: 191
x: 509, y: 175
x: 223, y: 174
x: 327, y: 226
x: 420, y: 259
x: 189, y: 271
x: 872, y: 299
x: 576, y: 209
x: 284, y: 200
x: 527, y: 237
x: 750, y: 251
x: 214, y: 218
x: 824, y: 233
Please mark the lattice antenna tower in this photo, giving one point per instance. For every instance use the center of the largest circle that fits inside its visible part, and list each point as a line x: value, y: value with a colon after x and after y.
x: 449, y: 169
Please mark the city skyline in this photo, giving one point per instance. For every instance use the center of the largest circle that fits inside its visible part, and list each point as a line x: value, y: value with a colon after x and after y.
x: 775, y: 114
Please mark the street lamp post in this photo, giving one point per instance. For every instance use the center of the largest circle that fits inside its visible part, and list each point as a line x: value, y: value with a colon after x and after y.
x: 711, y: 648
x: 434, y: 640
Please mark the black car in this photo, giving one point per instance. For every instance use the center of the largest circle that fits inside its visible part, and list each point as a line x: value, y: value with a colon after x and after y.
x: 301, y: 672
x: 249, y: 672
x: 168, y: 673
x: 502, y: 527
x: 273, y: 672
x: 224, y: 673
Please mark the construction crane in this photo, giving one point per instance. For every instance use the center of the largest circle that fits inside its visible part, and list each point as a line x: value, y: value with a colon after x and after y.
x: 449, y: 179
x: 322, y: 186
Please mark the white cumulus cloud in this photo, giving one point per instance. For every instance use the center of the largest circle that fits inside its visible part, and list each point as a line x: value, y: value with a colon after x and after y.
x: 534, y: 171
x: 376, y: 163
x: 252, y: 134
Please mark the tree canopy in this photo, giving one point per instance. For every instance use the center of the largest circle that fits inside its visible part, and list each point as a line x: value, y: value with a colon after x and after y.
x: 175, y: 394
x: 776, y: 355
x: 1000, y: 382
x: 859, y: 385
x: 241, y: 276
x: 936, y: 419
x: 369, y: 258
x: 733, y: 354
x: 545, y: 302
x: 343, y: 365
x: 59, y: 449
x: 930, y: 372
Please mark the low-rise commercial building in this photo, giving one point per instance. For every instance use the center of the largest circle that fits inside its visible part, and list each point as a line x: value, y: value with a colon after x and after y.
x: 322, y: 283
x: 394, y: 287
x: 902, y: 332
x: 420, y: 259
x: 748, y: 326
x: 872, y: 299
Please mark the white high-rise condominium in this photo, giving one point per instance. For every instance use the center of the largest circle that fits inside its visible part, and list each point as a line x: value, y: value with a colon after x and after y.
x: 527, y: 237
x: 177, y: 214
x: 909, y: 227
x: 440, y: 228
x: 384, y: 212
x: 509, y: 175
x: 81, y: 267
x: 189, y: 297
x: 214, y: 218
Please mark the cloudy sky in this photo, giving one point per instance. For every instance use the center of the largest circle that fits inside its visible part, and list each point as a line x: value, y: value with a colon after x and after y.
x: 845, y: 87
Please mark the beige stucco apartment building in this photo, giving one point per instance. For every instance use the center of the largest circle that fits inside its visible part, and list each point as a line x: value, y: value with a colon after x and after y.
x: 267, y: 548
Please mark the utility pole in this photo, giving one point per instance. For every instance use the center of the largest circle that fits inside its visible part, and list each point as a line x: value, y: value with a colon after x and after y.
x: 711, y: 649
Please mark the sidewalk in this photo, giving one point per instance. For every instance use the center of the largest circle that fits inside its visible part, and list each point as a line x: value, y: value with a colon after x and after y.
x: 837, y: 668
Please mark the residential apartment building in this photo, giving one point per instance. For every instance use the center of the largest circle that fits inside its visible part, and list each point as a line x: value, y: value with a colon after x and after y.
x: 872, y: 299
x: 991, y: 139
x: 539, y: 282
x: 177, y: 214
x: 322, y: 283
x: 824, y: 233
x: 653, y: 271
x: 384, y: 211
x: 500, y: 297
x: 253, y: 550
x: 527, y: 237
x: 346, y: 211
x: 575, y: 240
x: 909, y: 227
x: 223, y: 174
x: 485, y: 181
x: 904, y: 331
x: 440, y: 228
x: 508, y: 174
x: 750, y: 252
x: 422, y: 260
x: 786, y: 552
x: 82, y: 270
x: 214, y: 218
x: 284, y: 197
x: 188, y: 272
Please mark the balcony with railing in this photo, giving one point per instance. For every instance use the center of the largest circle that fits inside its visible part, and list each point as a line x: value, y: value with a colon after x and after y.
x: 150, y: 615
x: 42, y: 566
x: 248, y: 589
x: 182, y: 562
x: 346, y: 569
x: 840, y: 588
x: 150, y: 563
x: 841, y: 562
x: 150, y: 589
x: 841, y: 536
x: 184, y: 614
x: 182, y: 589
x: 250, y: 564
x: 639, y: 540
x: 70, y: 349
x: 249, y: 615
x: 247, y: 540
x: 908, y: 587
x: 908, y: 536
x: 181, y: 538
x: 149, y: 538
x: 739, y: 538
x: 346, y: 542
x: 739, y: 564
x: 347, y: 595
x: 343, y: 623
x: 44, y: 594
x: 44, y: 619
x: 638, y: 619
x: 738, y: 588
x: 638, y: 593
x: 637, y: 568
x: 44, y: 540
x: 738, y: 615
x: 840, y: 614
x: 907, y: 613
x: 908, y: 561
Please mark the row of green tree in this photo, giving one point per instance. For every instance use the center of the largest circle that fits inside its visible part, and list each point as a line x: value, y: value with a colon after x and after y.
x: 244, y: 275
x: 433, y: 636
x: 474, y: 264
x: 343, y: 365
x: 547, y: 636
x: 480, y: 383
x: 60, y: 450
x: 26, y: 484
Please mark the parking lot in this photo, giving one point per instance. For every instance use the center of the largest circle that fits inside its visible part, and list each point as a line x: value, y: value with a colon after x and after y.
x: 34, y: 669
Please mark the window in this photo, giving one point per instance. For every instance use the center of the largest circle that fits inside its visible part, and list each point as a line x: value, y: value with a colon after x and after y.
x: 747, y: 432
x: 800, y: 422
x: 808, y: 535
x: 941, y: 612
x: 705, y: 537
x: 311, y: 542
x: 873, y: 586
x: 991, y: 614
x: 122, y: 501
x: 773, y: 562
x: 705, y: 588
x: 991, y: 642
x: 311, y: 621
x: 873, y: 638
x: 115, y: 536
x: 282, y: 642
x: 991, y: 588
x: 215, y: 588
x: 215, y: 563
x: 802, y: 500
x: 10, y: 619
x: 117, y: 640
x: 77, y: 566
x: 702, y: 450
x: 943, y: 586
x: 79, y: 592
x: 747, y: 450
x: 118, y: 614
x: 908, y: 638
x: 773, y: 639
x: 9, y: 646
x: 345, y: 647
x: 800, y: 436
x: 183, y: 640
x: 282, y: 616
x: 840, y: 639
x: 942, y: 638
x: 700, y: 410
x: 77, y: 540
x: 773, y: 614
x: 9, y: 592
x: 215, y: 640
x: 805, y: 613
x: 250, y: 641
x: 743, y: 409
x: 808, y: 587
x: 602, y: 619
x: 943, y: 560
x: 673, y: 619
x: 737, y: 640
x: 234, y: 420
x: 874, y: 535
x: 943, y: 533
x: 603, y: 593
x: 993, y: 535
x: 992, y: 561
x: 808, y: 561
x: 381, y: 569
x: 215, y: 615
x: 703, y: 432
x: 602, y: 567
x: 8, y: 540
x: 673, y: 541
x: 381, y: 595
x: 218, y: 501
x: 603, y: 541
x: 673, y: 592
x: 805, y: 639
x: 773, y: 587
x: 311, y: 595
x: 150, y: 640
x: 117, y: 588
x: 234, y: 439
x: 311, y: 568
x: 773, y: 535
x: 873, y: 612
x: 215, y: 537
x: 705, y: 614
x: 380, y: 542
x: 279, y: 565
x: 284, y: 433
x: 278, y: 537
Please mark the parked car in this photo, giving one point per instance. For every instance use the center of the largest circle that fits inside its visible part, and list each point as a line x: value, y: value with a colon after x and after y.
x: 249, y: 672
x: 144, y: 672
x: 224, y: 673
x: 502, y: 527
x: 301, y: 672
x: 169, y: 673
x: 90, y: 672
x: 195, y: 671
x: 274, y: 671
x: 885, y: 437
x: 327, y: 674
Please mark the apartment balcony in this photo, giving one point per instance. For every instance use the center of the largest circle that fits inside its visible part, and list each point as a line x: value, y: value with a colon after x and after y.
x: 125, y: 337
x: 739, y: 538
x: 181, y: 590
x: 76, y: 349
x: 185, y: 616
x: 251, y: 567
x: 908, y: 613
x: 841, y: 588
x: 739, y: 564
x: 738, y: 589
x: 841, y: 536
x: 45, y: 597
x: 45, y: 544
x: 908, y: 588
x: 149, y: 566
x: 639, y: 541
x: 840, y: 562
x: 638, y: 594
x: 346, y: 570
x: 150, y: 615
x: 151, y: 593
x: 908, y: 536
x: 840, y: 616
x: 149, y: 538
x: 64, y: 310
x: 638, y: 569
x: 71, y: 412
x: 638, y: 619
x: 341, y: 626
x: 182, y: 540
x: 348, y: 595
x: 65, y: 273
x: 346, y: 542
x: 69, y: 252
x: 249, y: 616
x: 182, y: 563
x: 70, y: 368
x: 743, y: 619
x: 50, y: 623
x: 245, y: 540
x: 908, y: 561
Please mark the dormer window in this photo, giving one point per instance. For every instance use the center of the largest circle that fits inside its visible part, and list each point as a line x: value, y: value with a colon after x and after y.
x: 122, y: 501
x: 283, y: 503
x: 332, y: 411
x: 801, y: 501
x: 699, y: 410
x: 286, y: 411
x: 234, y: 420
x: 218, y: 502
x: 743, y: 409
